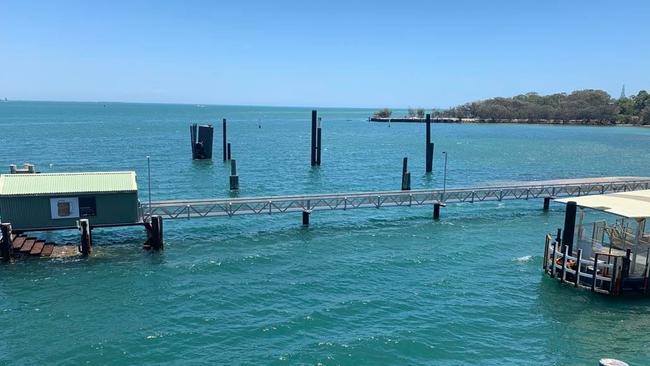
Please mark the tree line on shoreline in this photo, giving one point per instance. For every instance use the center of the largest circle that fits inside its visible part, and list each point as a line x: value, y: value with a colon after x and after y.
x: 584, y: 106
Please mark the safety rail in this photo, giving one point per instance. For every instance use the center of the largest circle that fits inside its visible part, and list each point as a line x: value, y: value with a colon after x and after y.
x: 601, y: 274
x: 186, y: 209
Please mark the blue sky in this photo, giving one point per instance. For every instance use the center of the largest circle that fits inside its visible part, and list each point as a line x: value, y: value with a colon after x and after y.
x: 325, y: 53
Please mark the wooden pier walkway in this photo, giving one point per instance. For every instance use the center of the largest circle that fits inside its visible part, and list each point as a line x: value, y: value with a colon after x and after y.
x: 187, y: 209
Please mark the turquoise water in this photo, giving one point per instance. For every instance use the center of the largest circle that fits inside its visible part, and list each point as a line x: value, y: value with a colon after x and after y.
x: 377, y: 287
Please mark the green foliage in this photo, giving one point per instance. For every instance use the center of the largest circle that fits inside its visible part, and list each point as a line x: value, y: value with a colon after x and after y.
x: 383, y: 113
x: 582, y: 105
x: 415, y: 113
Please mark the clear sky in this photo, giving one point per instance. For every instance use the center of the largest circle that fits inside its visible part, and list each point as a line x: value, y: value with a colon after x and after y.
x: 319, y: 53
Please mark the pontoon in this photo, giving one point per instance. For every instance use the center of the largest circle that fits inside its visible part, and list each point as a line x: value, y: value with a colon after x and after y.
x: 608, y: 249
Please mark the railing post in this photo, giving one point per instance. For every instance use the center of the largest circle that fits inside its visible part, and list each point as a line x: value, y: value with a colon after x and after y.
x: 564, y: 255
x: 553, y: 269
x: 578, y: 264
x: 595, y: 273
x: 612, y: 282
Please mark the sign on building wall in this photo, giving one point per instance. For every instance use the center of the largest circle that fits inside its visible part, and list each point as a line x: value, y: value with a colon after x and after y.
x: 64, y: 207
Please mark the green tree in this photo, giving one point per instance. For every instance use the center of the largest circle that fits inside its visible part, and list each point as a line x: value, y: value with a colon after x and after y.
x: 383, y: 113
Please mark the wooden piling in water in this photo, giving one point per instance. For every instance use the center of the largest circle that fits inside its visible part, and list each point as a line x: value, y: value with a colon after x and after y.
x: 229, y: 154
x: 436, y: 211
x: 156, y: 240
x: 305, y: 218
x: 318, y: 143
x: 225, y: 139
x: 314, y: 121
x: 6, y: 246
x: 428, y: 146
x: 547, y: 203
x: 201, y: 136
x: 86, y: 238
x: 406, y: 176
x: 569, y: 224
x: 234, y: 178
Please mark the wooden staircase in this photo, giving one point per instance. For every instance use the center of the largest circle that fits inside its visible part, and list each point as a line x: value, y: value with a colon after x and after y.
x: 31, y: 246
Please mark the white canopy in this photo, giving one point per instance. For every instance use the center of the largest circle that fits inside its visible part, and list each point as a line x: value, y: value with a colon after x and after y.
x: 634, y: 204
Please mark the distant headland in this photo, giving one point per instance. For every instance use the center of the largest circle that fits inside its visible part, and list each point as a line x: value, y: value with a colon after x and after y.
x: 582, y: 107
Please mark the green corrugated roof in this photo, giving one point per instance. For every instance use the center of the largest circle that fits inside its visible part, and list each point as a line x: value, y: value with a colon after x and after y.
x: 66, y: 183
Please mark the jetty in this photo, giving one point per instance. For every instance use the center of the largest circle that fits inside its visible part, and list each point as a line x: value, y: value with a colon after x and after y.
x: 437, y: 198
x: 609, y: 255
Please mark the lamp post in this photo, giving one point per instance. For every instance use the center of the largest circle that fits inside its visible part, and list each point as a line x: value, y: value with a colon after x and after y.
x: 149, y: 179
x: 444, y: 179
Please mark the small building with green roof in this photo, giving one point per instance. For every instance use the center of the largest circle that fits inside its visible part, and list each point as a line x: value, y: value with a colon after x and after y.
x: 59, y: 200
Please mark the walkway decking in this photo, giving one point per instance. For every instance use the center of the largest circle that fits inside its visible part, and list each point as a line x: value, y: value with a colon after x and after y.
x: 187, y: 209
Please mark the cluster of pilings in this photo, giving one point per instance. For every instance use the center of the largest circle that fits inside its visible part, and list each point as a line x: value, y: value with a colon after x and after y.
x: 201, y: 136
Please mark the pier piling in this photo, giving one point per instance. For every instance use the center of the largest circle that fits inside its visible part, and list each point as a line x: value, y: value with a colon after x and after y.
x: 547, y: 203
x: 436, y: 211
x: 406, y: 176
x: 201, y: 141
x: 156, y: 240
x: 229, y: 154
x: 234, y: 178
x: 569, y: 225
x: 314, y: 122
x: 428, y: 146
x: 318, y: 143
x: 305, y: 218
x: 6, y: 246
x: 224, y: 138
x: 86, y: 237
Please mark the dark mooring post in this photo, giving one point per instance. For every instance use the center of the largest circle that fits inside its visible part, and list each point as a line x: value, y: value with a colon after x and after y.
x: 569, y: 225
x: 305, y: 218
x: 234, y: 178
x: 225, y: 139
x: 156, y: 240
x: 406, y: 176
x: 6, y: 246
x: 229, y: 154
x: 429, y: 146
x: 436, y: 211
x: 318, y: 143
x: 547, y: 203
x: 314, y: 121
x: 86, y: 238
x: 201, y: 141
